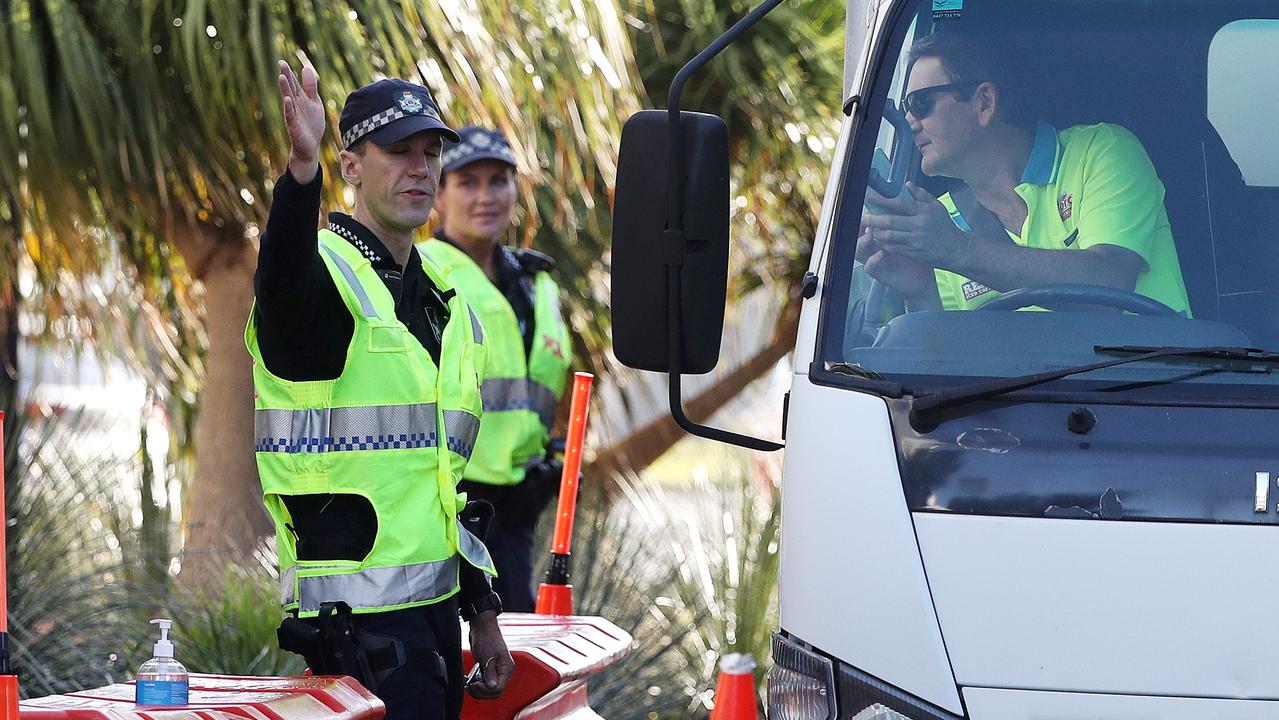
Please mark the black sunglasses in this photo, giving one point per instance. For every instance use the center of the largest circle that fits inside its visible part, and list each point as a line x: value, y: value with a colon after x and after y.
x: 920, y: 102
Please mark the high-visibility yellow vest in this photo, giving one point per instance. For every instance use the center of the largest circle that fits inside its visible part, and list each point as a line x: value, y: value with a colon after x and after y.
x: 520, y: 391
x: 393, y: 428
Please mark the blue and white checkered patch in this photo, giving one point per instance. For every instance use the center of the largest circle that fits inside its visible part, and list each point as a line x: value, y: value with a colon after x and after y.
x: 403, y: 441
x: 461, y: 447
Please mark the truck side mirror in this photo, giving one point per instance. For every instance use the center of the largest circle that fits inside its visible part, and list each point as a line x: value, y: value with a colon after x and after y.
x: 670, y: 241
x: 645, y: 248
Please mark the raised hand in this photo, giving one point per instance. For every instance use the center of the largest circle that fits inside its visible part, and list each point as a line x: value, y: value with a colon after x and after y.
x: 304, y: 120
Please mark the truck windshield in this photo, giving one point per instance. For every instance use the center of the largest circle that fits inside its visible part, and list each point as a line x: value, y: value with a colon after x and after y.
x: 1037, y: 178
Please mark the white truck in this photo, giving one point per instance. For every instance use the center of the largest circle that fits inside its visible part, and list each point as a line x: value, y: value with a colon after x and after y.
x: 992, y: 514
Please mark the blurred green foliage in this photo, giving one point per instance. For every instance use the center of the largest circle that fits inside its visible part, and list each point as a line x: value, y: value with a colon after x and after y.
x: 691, y: 572
x: 778, y: 87
x: 233, y: 632
x: 79, y: 593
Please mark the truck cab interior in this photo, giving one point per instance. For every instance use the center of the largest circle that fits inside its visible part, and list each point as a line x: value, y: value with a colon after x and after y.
x: 1195, y: 82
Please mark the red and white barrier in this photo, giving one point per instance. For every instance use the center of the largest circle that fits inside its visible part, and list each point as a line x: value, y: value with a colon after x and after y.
x: 555, y: 656
x: 220, y: 697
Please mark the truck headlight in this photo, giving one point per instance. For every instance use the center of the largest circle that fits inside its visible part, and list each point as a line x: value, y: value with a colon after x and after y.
x: 868, y: 698
x: 801, y: 683
x: 879, y: 712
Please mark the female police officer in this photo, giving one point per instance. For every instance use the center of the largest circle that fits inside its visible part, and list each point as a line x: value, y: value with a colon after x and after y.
x: 528, y: 343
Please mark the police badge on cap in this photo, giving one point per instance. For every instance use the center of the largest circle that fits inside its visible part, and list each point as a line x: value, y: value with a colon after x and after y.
x: 409, y: 103
x: 388, y: 111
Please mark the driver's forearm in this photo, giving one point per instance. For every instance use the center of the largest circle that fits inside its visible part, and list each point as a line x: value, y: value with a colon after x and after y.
x: 1006, y: 266
x: 927, y: 300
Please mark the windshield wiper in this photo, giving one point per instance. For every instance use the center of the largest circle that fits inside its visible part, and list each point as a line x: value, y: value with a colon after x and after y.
x: 1224, y: 353
x: 929, y: 405
x: 852, y: 370
x: 867, y: 378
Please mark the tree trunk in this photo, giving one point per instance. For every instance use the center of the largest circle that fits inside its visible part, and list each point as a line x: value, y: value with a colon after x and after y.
x: 644, y: 446
x: 224, y: 516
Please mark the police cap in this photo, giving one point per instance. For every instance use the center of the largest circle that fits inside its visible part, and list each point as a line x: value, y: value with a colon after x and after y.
x: 476, y: 143
x: 388, y: 111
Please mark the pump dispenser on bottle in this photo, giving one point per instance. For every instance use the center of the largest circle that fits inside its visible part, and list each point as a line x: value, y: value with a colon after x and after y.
x: 162, y: 680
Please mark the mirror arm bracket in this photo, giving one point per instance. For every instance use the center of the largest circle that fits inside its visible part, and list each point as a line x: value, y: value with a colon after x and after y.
x: 674, y: 335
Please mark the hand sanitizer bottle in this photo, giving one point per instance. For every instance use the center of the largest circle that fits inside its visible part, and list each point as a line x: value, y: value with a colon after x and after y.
x: 162, y: 680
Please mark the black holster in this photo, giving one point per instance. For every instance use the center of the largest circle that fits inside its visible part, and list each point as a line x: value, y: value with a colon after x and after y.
x: 476, y: 517
x: 333, y: 645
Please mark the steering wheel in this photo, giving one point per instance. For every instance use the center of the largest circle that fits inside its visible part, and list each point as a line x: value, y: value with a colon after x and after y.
x: 1070, y: 294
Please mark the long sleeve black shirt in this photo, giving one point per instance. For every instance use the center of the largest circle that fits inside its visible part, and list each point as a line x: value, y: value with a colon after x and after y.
x: 304, y: 329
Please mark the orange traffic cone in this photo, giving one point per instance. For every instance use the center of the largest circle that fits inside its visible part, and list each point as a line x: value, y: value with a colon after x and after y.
x: 735, y: 691
x: 8, y: 679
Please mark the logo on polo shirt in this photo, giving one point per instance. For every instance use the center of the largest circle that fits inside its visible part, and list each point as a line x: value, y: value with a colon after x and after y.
x: 973, y: 289
x: 1066, y: 206
x: 410, y: 103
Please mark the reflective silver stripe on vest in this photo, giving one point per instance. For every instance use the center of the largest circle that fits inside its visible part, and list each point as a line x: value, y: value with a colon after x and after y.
x: 289, y: 580
x: 374, y: 427
x: 288, y: 583
x: 381, y: 587
x: 544, y: 401
x: 461, y: 428
x: 473, y: 549
x: 507, y: 394
x: 366, y: 305
x: 477, y: 329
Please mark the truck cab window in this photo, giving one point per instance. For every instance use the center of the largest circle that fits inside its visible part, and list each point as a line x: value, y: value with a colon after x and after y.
x: 1034, y: 181
x: 1240, y: 58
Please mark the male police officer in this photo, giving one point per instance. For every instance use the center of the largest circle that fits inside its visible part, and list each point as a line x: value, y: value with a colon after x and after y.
x: 367, y: 366
x: 1038, y: 206
x: 529, y: 349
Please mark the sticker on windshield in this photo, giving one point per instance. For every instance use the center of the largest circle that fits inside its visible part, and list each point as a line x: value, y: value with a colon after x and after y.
x: 947, y: 9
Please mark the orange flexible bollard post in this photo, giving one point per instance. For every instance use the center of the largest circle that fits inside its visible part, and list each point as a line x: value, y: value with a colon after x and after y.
x: 8, y: 680
x: 735, y: 690
x: 555, y: 596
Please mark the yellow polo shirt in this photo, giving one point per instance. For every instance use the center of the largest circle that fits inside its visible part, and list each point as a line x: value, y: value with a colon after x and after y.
x: 1084, y: 186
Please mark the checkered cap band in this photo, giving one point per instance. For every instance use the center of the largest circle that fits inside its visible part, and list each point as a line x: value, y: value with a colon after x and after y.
x: 382, y: 119
x: 481, y: 145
